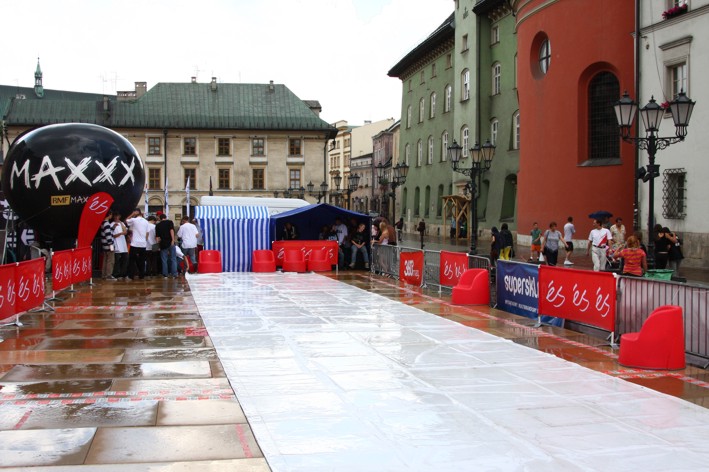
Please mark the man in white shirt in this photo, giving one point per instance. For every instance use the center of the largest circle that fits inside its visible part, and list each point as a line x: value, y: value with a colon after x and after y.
x: 139, y: 227
x: 189, y: 234
x: 618, y: 233
x: 569, y: 230
x: 598, y: 241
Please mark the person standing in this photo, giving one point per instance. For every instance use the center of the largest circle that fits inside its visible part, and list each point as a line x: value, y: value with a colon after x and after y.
x: 569, y: 230
x: 188, y: 232
x: 422, y: 230
x: 152, y: 248
x: 599, y: 239
x: 120, y: 247
x: 107, y: 247
x: 550, y: 241
x: 399, y: 229
x: 536, y: 248
x: 618, y: 233
x: 138, y: 244
x: 165, y: 236
x: 675, y: 254
x: 506, y: 240
x: 495, y: 244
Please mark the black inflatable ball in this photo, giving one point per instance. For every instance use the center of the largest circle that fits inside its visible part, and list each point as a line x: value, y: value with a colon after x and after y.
x: 50, y: 172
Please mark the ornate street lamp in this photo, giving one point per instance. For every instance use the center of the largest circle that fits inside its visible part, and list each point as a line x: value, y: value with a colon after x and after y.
x: 352, y: 185
x: 481, y: 160
x: 338, y: 181
x: 321, y: 193
x: 398, y: 178
x: 652, y: 113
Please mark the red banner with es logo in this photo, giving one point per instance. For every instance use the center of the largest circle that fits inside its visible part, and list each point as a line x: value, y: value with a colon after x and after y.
x: 579, y: 295
x: 411, y: 267
x: 29, y: 284
x: 452, y: 266
x: 307, y: 247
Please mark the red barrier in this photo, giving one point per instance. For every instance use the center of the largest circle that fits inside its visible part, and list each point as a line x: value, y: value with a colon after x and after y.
x: 82, y: 259
x: 61, y: 269
x: 411, y: 267
x: 29, y: 284
x: 452, y: 266
x: 307, y: 247
x: 7, y: 291
x: 579, y: 295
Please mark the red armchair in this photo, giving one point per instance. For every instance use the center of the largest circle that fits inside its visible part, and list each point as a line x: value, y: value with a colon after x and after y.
x: 473, y: 288
x: 210, y: 261
x: 319, y: 261
x: 294, y: 261
x: 659, y: 344
x: 263, y: 260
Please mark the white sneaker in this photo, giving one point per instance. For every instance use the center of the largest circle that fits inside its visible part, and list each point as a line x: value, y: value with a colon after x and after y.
x: 568, y: 263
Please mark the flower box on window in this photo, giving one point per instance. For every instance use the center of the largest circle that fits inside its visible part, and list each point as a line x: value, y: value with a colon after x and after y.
x: 674, y: 11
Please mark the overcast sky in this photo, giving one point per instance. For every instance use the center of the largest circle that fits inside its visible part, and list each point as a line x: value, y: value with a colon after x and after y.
x: 334, y: 51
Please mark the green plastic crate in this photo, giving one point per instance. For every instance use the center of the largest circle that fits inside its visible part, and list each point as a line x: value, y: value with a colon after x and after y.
x: 659, y: 274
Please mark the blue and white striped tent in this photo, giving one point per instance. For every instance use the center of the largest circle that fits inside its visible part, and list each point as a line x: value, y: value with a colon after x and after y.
x: 235, y: 231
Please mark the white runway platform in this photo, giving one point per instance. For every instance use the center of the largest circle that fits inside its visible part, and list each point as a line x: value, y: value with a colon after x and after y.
x: 334, y: 378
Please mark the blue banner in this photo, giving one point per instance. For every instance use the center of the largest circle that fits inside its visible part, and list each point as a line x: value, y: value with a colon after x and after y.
x: 518, y: 291
x: 518, y: 288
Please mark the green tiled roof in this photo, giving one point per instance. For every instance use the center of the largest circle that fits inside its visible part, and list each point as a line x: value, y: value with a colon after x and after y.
x: 176, y: 106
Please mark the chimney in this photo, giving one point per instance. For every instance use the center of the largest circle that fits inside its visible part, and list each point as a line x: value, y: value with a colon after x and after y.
x: 140, y: 89
x: 194, y: 79
x: 213, y: 84
x: 271, y: 88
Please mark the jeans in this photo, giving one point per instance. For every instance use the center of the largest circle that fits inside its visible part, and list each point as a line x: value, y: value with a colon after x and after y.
x: 169, y: 255
x: 365, y: 255
x: 120, y: 267
x: 136, y: 261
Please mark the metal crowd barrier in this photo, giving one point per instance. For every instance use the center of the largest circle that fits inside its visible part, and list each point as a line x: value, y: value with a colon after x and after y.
x: 638, y: 297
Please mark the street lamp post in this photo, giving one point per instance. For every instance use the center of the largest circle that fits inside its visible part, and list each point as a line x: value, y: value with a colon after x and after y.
x: 652, y: 113
x: 338, y: 181
x: 399, y: 173
x: 352, y: 185
x: 321, y: 193
x: 481, y: 162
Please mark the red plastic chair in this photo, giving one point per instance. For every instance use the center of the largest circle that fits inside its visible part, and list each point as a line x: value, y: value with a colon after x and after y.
x: 659, y: 344
x: 210, y: 261
x: 263, y: 260
x: 473, y: 288
x: 319, y: 261
x: 294, y: 261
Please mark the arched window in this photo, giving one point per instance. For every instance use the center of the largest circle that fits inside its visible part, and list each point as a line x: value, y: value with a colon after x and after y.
x: 422, y: 110
x: 432, y: 106
x: 515, y: 131
x: 427, y: 201
x: 465, y: 85
x: 603, y: 92
x: 417, y: 201
x: 439, y: 202
x: 407, y: 153
x: 449, y: 97
x: 408, y: 117
x: 419, y: 154
x: 429, y: 158
x: 544, y: 56
x: 444, y: 146
x: 496, y: 73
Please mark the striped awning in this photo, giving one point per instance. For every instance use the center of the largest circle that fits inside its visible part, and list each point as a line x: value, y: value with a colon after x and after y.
x: 231, y: 212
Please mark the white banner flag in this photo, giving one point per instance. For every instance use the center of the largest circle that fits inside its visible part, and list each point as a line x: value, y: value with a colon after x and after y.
x: 187, y: 189
x: 167, y: 205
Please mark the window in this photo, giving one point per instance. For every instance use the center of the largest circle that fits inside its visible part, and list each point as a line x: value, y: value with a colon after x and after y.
x: 407, y: 153
x: 417, y: 201
x: 544, y: 56
x: 439, y: 201
x: 294, y: 178
x: 154, y: 178
x: 448, y: 98
x: 465, y: 84
x: 427, y: 201
x: 422, y: 110
x: 432, y: 106
x: 495, y: 35
x: 449, y: 61
x: 465, y: 139
x: 429, y: 158
x: 496, y: 72
x: 223, y: 147
x: 515, y: 131
x: 419, y: 153
x: 603, y: 93
x: 464, y: 43
x: 294, y: 147
x: 257, y: 179
x: 674, y: 193
x: 433, y: 69
x: 154, y: 145
x: 494, y: 125
x: 678, y: 76
x: 408, y: 117
x: 258, y: 147
x: 189, y: 147
x: 191, y: 175
x: 423, y: 78
x: 444, y: 146
x: 224, y: 179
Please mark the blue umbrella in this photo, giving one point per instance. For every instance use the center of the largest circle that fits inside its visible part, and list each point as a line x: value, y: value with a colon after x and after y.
x: 601, y: 214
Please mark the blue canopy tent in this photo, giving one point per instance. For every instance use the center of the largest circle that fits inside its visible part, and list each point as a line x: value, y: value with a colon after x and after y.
x: 308, y: 220
x: 235, y: 231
